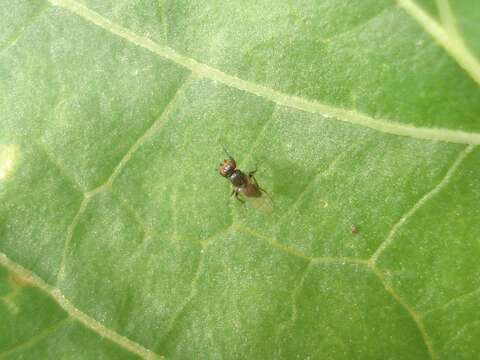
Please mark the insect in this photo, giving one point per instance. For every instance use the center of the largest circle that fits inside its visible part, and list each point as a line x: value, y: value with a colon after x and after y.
x: 354, y: 229
x: 245, y: 184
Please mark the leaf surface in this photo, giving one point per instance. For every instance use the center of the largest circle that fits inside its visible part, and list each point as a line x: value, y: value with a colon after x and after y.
x: 118, y: 238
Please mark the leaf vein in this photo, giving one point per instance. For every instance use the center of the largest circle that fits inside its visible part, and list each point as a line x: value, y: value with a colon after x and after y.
x: 293, y: 299
x: 459, y: 333
x: 319, y: 259
x: 318, y: 174
x: 191, y: 295
x: 35, y: 338
x: 133, y: 214
x: 76, y: 313
x: 452, y: 301
x: 150, y: 131
x: 328, y: 111
x: 417, y: 319
x: 420, y: 203
x: 61, y: 168
x: 259, y: 135
x: 448, y: 39
x: 20, y: 33
x: 69, y: 237
x: 360, y: 25
x: 296, y: 291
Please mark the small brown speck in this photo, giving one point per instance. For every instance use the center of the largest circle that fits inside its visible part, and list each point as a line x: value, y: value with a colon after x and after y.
x: 354, y: 229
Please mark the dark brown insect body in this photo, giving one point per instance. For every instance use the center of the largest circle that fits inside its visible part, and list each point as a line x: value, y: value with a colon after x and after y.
x: 245, y: 184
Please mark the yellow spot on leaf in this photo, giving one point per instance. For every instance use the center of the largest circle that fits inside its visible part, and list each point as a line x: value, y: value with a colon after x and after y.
x: 8, y: 159
x: 17, y: 281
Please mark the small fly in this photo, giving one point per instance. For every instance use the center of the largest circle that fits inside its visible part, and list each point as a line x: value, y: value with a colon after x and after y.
x: 245, y: 184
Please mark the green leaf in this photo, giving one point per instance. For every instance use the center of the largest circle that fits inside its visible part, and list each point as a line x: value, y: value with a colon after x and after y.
x: 118, y: 238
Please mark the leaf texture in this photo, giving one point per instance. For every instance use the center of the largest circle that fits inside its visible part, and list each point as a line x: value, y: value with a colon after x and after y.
x: 118, y: 238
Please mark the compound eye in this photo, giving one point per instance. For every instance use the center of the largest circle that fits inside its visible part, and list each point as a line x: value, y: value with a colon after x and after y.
x: 227, y: 167
x: 223, y: 169
x: 220, y: 169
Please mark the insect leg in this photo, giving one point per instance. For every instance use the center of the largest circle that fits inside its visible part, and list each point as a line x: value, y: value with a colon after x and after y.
x: 251, y: 176
x: 235, y: 192
x: 266, y: 193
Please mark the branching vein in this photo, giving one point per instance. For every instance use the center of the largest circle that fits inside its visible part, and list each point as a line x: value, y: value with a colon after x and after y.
x: 456, y: 299
x: 411, y: 311
x: 59, y: 166
x: 154, y: 127
x: 193, y: 292
x: 296, y: 291
x: 34, y: 339
x: 319, y: 259
x: 446, y: 36
x: 328, y: 111
x: 259, y: 136
x: 19, y: 34
x: 448, y: 39
x: 461, y: 332
x: 425, y: 198
x: 76, y: 313
x: 69, y: 237
x: 318, y: 174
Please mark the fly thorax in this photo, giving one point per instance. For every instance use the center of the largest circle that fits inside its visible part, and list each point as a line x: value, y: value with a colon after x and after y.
x: 238, y: 178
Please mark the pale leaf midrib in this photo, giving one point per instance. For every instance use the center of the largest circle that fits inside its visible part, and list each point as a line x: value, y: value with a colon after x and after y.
x: 328, y: 111
x: 277, y: 97
x: 75, y: 313
x: 447, y: 38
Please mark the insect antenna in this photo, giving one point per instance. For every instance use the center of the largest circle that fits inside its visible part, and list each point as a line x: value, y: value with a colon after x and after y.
x: 226, y: 152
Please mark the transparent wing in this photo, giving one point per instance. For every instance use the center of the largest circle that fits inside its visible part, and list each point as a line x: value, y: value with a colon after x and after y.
x: 262, y: 203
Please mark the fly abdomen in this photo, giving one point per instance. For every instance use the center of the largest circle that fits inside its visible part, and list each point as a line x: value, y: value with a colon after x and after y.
x: 251, y: 190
